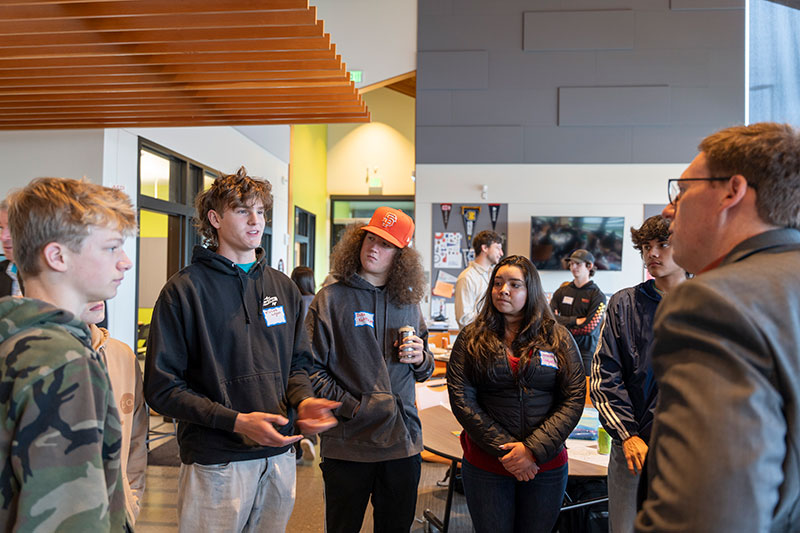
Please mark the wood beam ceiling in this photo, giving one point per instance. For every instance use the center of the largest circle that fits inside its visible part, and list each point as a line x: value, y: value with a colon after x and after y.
x: 115, y: 63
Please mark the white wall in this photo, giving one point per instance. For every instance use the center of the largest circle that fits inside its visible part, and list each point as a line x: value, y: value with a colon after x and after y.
x: 387, y: 142
x: 378, y: 37
x: 30, y: 154
x: 548, y: 190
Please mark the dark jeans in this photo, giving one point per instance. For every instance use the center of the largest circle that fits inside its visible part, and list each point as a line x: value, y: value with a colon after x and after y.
x: 501, y: 504
x: 348, y: 486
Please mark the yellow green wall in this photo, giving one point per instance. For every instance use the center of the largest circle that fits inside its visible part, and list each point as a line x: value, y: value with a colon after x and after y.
x: 308, y: 188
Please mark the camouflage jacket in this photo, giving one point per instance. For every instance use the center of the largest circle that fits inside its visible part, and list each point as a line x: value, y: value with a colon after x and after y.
x: 60, y: 437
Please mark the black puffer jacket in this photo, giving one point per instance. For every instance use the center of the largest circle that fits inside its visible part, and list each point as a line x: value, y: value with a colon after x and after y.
x: 529, y: 408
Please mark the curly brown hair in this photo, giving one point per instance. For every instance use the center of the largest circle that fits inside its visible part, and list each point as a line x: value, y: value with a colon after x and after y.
x: 233, y: 190
x: 406, y: 282
x: 654, y: 228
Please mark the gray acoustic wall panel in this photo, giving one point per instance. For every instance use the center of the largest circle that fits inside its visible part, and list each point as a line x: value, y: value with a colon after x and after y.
x: 577, y: 145
x: 498, y: 82
x: 454, y: 70
x: 706, y: 4
x: 435, y: 109
x: 578, y: 30
x: 691, y: 30
x: 616, y: 106
x: 668, y: 144
x: 477, y: 144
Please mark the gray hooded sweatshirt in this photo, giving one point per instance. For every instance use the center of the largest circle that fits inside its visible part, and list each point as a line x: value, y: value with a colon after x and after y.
x: 353, y: 327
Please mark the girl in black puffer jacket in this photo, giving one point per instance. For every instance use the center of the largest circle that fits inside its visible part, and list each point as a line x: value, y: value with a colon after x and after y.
x: 516, y: 385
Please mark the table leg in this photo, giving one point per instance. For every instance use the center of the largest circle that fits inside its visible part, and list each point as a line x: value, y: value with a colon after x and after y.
x: 432, y: 518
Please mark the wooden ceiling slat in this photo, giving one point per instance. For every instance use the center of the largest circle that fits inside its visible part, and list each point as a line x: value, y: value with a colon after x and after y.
x: 82, y: 9
x: 86, y: 93
x: 232, y: 119
x: 149, y: 70
x: 80, y: 99
x: 90, y: 110
x: 278, y: 57
x: 195, y: 21
x: 238, y: 45
x: 180, y: 112
x: 161, y: 36
x: 189, y: 123
x: 262, y: 78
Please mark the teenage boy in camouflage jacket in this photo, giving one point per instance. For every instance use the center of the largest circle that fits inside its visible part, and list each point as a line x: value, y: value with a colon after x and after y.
x: 60, y: 437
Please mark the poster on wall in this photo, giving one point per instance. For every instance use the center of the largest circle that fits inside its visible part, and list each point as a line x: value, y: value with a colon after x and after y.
x: 452, y: 251
x: 447, y: 250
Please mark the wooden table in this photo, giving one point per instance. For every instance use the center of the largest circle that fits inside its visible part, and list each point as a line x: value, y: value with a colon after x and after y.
x: 439, y: 436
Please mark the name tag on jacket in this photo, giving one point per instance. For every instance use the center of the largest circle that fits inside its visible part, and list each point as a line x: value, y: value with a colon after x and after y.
x: 566, y: 300
x: 548, y: 359
x: 274, y: 316
x: 362, y: 318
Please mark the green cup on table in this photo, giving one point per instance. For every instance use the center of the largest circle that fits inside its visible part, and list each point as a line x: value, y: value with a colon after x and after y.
x: 603, y: 442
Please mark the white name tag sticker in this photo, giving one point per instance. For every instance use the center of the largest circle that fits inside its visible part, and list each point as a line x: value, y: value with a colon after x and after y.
x: 274, y: 316
x: 362, y: 318
x: 566, y: 300
x: 548, y: 359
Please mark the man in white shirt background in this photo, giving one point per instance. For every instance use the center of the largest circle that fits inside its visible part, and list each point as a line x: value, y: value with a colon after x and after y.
x: 474, y: 280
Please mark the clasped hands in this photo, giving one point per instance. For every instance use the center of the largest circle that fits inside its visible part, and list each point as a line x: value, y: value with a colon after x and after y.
x: 313, y: 416
x: 519, y: 461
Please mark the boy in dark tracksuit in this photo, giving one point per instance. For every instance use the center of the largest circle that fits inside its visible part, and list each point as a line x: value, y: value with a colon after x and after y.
x: 622, y: 385
x: 353, y: 324
x: 579, y: 305
x: 229, y: 358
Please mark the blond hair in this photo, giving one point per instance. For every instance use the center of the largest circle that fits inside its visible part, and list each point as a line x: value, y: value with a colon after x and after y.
x: 63, y: 210
x: 233, y: 190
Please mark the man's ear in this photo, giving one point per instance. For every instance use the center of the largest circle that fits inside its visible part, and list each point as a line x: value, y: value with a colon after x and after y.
x: 736, y: 189
x: 53, y: 256
x: 214, y: 218
x: 484, y: 249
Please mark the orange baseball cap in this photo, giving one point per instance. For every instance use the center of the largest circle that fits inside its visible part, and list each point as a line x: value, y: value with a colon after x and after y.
x: 392, y: 225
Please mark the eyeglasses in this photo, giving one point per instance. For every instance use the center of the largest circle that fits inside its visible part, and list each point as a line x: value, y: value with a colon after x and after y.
x: 674, y: 189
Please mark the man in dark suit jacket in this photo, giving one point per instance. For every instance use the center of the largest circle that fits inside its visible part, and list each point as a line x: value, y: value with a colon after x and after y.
x: 724, y: 448
x: 10, y: 283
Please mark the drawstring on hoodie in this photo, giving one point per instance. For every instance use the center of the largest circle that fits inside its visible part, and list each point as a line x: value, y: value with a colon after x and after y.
x: 239, y: 273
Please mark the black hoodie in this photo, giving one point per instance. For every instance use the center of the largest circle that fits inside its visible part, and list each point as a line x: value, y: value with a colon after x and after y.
x: 222, y: 342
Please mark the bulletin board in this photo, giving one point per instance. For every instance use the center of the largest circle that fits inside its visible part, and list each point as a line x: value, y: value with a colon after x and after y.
x: 454, y: 226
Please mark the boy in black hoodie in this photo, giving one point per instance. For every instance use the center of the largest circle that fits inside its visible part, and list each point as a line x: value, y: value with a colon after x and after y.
x: 229, y: 358
x: 358, y: 361
x: 580, y: 304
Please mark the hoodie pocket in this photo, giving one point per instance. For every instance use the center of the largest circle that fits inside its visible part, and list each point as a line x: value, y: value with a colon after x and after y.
x: 256, y: 392
x: 379, y: 421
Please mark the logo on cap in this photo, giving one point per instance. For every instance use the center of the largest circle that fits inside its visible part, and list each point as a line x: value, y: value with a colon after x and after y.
x: 388, y: 220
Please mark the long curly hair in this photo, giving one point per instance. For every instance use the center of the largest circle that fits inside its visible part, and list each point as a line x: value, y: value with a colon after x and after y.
x: 406, y: 282
x: 538, y: 328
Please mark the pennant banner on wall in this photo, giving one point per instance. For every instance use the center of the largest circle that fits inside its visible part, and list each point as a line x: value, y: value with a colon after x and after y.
x: 470, y: 215
x: 469, y: 255
x: 494, y: 210
x: 446, y: 208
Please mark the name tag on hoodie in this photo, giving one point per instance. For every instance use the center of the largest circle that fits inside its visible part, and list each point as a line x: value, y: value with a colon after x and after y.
x: 362, y: 318
x: 548, y: 359
x: 274, y: 316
